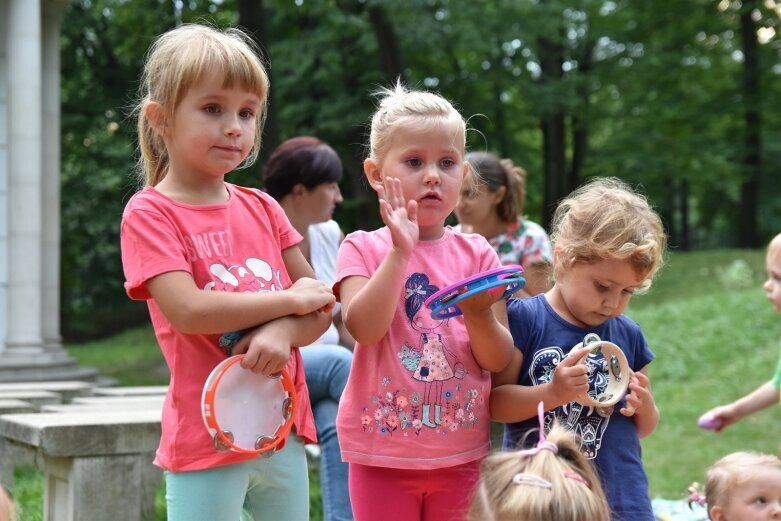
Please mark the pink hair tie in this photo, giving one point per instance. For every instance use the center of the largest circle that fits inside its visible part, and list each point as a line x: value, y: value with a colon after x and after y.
x: 696, y: 497
x: 571, y: 474
x: 543, y: 444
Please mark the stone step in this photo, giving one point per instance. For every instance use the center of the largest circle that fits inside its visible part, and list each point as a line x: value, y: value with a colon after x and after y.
x: 145, y: 390
x: 12, y: 405
x: 35, y: 398
x: 68, y: 389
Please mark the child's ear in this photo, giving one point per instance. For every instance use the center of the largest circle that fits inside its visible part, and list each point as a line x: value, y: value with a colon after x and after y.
x: 556, y: 254
x: 373, y: 173
x: 717, y: 514
x: 157, y: 119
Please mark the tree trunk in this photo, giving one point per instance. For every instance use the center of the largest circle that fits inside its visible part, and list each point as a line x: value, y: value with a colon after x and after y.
x: 752, y: 161
x: 387, y: 44
x: 685, y: 234
x: 252, y: 19
x: 502, y: 146
x: 553, y: 128
x: 580, y: 120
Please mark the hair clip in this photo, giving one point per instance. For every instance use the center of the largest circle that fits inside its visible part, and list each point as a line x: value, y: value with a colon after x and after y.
x: 542, y: 444
x: 575, y: 476
x: 531, y: 480
x: 695, y: 496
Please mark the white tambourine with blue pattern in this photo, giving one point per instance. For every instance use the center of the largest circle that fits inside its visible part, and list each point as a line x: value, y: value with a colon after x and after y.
x: 609, y: 372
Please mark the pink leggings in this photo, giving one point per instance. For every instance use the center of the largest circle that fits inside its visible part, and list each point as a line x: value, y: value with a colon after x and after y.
x: 386, y: 494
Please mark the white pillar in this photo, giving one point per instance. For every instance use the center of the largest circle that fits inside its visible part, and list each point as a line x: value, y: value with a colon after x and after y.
x: 52, y: 17
x: 3, y: 172
x: 32, y: 148
x: 25, y: 307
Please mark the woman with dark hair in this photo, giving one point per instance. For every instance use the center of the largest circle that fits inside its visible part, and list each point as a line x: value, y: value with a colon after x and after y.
x: 491, y: 204
x: 303, y: 174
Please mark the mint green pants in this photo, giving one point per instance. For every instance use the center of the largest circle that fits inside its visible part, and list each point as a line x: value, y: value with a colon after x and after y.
x: 263, y: 489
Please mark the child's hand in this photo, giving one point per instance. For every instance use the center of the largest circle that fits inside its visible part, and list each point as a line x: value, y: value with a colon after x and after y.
x: 266, y: 348
x: 570, y: 378
x: 722, y: 416
x: 399, y: 216
x: 313, y: 295
x: 639, y: 394
x: 481, y: 301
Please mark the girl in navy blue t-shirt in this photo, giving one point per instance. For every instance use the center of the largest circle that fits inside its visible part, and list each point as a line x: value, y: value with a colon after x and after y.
x: 608, y: 244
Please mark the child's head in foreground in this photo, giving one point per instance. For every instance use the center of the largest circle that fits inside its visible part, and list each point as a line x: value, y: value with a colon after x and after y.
x: 552, y: 482
x: 176, y: 62
x: 606, y: 219
x: 742, y: 486
x: 772, y: 285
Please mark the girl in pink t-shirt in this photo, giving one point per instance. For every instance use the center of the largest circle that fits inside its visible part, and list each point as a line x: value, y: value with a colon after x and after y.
x: 413, y: 422
x: 210, y: 257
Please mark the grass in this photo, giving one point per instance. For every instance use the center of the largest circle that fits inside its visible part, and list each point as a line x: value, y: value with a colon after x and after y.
x: 716, y: 338
x: 714, y: 334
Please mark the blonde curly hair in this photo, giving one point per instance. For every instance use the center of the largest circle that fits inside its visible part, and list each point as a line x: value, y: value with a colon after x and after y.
x: 606, y: 219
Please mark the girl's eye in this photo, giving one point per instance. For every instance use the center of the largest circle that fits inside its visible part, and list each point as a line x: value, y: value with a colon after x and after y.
x: 602, y: 287
x: 414, y: 162
x: 246, y: 114
x: 448, y: 163
x: 212, y: 109
x: 760, y: 500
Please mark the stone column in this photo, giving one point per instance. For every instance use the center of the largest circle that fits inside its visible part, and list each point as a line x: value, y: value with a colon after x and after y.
x: 24, y: 335
x: 52, y: 18
x: 32, y: 343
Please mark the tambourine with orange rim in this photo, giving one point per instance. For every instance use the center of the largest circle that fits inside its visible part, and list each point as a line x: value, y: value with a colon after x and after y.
x: 247, y: 412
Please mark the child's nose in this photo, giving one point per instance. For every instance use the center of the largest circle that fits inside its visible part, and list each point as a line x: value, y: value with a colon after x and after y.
x: 432, y: 174
x: 233, y: 126
x: 611, y: 301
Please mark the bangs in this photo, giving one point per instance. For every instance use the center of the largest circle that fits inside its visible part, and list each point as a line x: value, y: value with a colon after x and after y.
x: 238, y: 66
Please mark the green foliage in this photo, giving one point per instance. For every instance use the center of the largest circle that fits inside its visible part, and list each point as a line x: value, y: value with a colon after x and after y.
x: 657, y: 90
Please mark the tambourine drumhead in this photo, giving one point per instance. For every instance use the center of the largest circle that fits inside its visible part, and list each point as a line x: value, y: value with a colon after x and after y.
x: 245, y: 411
x: 616, y: 370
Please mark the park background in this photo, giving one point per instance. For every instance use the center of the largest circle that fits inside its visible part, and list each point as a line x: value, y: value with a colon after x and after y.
x: 678, y: 98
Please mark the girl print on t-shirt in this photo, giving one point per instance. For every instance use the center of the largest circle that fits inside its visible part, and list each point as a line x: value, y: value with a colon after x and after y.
x: 435, y: 397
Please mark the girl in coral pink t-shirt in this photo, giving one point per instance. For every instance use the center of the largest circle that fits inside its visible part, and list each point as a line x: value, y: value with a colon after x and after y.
x: 210, y: 257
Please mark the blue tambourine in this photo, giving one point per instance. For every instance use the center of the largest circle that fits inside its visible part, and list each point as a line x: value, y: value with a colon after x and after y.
x: 443, y: 303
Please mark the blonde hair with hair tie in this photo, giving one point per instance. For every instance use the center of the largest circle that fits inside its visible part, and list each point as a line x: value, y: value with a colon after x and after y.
x: 401, y: 108
x: 551, y: 482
